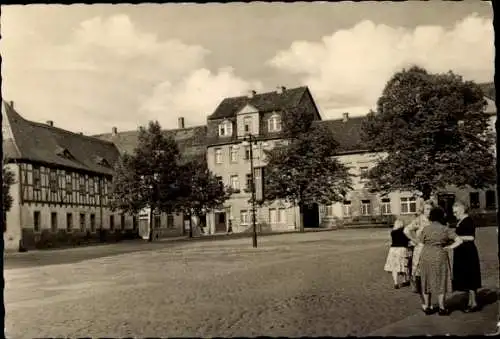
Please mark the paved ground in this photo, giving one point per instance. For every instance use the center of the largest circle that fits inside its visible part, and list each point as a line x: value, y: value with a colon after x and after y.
x: 313, y: 284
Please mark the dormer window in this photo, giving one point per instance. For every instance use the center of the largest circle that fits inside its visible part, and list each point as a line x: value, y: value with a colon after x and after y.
x: 102, y: 162
x: 226, y: 129
x: 247, y: 125
x: 63, y: 152
x: 274, y: 123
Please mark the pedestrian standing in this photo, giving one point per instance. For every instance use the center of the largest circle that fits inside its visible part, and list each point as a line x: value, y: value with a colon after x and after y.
x: 412, y: 231
x: 434, y: 261
x: 397, y: 258
x: 466, y: 266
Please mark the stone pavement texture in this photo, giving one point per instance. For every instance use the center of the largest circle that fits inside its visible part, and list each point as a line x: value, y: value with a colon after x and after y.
x: 313, y: 284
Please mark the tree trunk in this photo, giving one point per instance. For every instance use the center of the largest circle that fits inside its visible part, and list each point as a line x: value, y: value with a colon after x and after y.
x: 301, y: 217
x: 190, y: 225
x: 151, y: 225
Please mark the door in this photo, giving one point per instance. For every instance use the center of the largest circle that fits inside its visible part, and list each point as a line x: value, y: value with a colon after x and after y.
x: 446, y: 201
x: 220, y: 222
x: 311, y: 216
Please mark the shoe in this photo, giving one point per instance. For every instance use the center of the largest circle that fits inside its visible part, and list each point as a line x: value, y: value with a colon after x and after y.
x: 470, y: 309
x: 428, y: 310
x: 405, y: 284
x: 396, y: 286
x: 444, y: 311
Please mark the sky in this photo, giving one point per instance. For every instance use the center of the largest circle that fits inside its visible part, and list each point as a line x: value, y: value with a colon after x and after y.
x: 89, y: 68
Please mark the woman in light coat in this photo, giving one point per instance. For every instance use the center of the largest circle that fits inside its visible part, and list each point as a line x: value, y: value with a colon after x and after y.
x: 412, y: 231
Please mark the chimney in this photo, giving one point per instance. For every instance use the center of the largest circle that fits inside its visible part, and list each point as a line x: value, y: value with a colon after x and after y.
x: 181, y: 122
x: 50, y: 123
x: 11, y: 104
x: 251, y: 94
x: 114, y: 131
x: 280, y: 89
x: 345, y: 117
x: 81, y: 133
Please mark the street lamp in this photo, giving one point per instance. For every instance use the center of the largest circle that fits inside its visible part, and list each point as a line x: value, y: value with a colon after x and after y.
x: 250, y: 140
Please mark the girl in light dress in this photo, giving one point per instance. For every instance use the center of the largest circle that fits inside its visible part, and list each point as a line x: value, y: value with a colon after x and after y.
x: 412, y: 231
x: 397, y: 258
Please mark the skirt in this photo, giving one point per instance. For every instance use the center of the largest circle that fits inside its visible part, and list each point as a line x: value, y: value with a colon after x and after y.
x: 415, y: 270
x: 466, y: 267
x: 397, y: 260
x: 434, y: 270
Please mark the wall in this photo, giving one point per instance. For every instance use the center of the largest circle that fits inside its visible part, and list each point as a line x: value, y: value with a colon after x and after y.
x: 12, y: 235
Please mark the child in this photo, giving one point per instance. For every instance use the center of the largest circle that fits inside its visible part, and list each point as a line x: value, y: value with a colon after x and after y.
x: 397, y: 258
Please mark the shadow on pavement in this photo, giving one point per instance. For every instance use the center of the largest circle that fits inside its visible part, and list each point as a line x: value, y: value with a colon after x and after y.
x: 485, y: 297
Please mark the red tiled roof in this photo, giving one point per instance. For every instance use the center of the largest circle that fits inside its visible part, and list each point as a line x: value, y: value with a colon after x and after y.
x: 347, y: 133
x: 264, y: 102
x: 36, y: 142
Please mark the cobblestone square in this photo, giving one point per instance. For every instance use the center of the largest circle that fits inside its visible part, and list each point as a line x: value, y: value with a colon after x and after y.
x: 312, y: 284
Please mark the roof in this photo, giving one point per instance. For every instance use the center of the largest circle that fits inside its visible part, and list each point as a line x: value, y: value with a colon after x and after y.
x: 26, y: 140
x: 489, y: 90
x: 264, y: 102
x: 191, y: 140
x: 347, y: 133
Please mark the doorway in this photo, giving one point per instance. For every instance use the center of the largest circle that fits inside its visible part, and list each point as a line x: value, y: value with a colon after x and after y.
x: 311, y: 216
x: 220, y: 222
x: 446, y: 201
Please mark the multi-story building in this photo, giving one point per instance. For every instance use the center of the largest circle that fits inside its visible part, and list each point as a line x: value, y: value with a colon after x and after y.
x: 260, y: 115
x: 62, y: 182
x: 228, y: 155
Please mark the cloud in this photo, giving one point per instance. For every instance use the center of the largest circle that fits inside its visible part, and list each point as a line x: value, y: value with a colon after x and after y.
x: 108, y: 72
x: 197, y: 95
x: 348, y: 70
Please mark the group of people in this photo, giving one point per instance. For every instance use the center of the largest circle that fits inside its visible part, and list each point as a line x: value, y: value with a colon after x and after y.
x: 422, y: 253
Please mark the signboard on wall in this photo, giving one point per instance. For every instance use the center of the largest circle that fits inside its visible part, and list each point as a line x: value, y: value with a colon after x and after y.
x: 144, y: 223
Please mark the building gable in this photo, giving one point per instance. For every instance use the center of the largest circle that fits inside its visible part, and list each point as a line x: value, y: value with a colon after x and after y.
x: 247, y: 109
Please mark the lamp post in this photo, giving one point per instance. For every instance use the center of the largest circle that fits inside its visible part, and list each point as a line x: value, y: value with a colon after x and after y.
x: 250, y: 140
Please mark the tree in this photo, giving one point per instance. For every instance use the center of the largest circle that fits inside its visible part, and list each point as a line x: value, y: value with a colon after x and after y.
x: 201, y: 189
x: 434, y: 132
x: 305, y: 171
x: 148, y: 177
x: 7, y: 200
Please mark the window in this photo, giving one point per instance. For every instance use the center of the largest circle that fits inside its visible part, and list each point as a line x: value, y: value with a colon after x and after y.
x: 277, y: 216
x: 69, y: 184
x: 170, y: 221
x: 249, y: 182
x: 112, y: 222
x: 37, y: 182
x: 408, y: 205
x: 221, y: 183
x: 53, y: 180
x: 225, y: 129
x: 91, y: 187
x: 363, y: 171
x: 247, y: 152
x: 474, y: 199
x: 53, y: 221
x: 69, y: 222
x: 157, y: 221
x: 329, y: 210
x: 491, y: 199
x: 274, y: 124
x: 218, y: 156
x: 247, y: 125
x: 82, y: 222
x: 235, y: 182
x: 346, y: 209
x: 81, y: 187
x: 234, y: 154
x: 122, y: 221
x: 385, y: 207
x: 92, y: 223
x: 36, y: 221
x: 244, y: 217
x: 365, y: 207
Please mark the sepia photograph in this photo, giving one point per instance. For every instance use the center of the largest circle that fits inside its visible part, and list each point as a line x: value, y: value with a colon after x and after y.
x: 300, y: 169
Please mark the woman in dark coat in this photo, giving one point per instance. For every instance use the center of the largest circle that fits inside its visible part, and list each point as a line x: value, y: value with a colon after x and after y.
x: 466, y: 266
